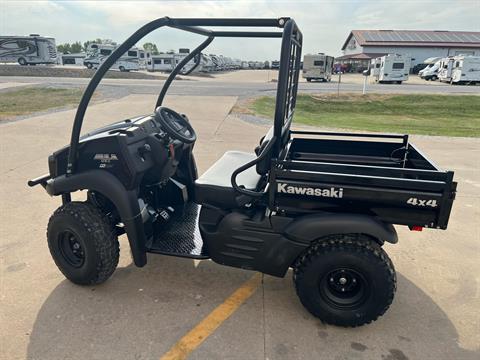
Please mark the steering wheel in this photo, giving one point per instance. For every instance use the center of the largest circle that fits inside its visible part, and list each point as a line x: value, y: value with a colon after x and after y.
x: 175, y: 125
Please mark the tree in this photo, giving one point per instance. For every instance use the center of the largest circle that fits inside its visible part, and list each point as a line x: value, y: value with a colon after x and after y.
x: 86, y: 43
x: 76, y: 47
x: 151, y: 48
x: 64, y: 48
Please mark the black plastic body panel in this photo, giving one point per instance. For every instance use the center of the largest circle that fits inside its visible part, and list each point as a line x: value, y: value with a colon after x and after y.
x: 119, y: 149
x: 271, y: 244
x: 234, y: 239
x: 125, y: 201
x: 311, y: 227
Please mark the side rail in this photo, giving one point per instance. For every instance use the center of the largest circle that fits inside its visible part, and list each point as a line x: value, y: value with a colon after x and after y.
x: 398, y: 196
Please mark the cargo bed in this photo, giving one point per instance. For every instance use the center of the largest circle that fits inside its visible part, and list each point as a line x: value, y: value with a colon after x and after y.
x: 373, y: 174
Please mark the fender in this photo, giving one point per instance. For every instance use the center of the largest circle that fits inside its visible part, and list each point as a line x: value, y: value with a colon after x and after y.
x: 125, y: 201
x: 308, y: 228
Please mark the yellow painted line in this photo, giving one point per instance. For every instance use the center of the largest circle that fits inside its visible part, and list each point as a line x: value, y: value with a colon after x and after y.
x: 209, y: 324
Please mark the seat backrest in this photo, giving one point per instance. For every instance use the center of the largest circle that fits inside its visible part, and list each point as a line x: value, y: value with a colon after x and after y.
x: 264, y: 166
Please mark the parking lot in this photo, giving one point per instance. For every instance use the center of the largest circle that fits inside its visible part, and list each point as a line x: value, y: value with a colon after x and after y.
x: 143, y: 313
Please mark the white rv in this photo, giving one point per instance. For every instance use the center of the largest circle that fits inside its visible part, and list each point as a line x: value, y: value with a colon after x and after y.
x: 142, y: 61
x: 391, y: 68
x: 72, y: 59
x: 430, y: 72
x: 445, y: 71
x: 33, y: 49
x: 161, y: 62
x: 430, y: 62
x: 167, y: 62
x: 464, y: 69
x: 317, y: 67
x: 97, y: 53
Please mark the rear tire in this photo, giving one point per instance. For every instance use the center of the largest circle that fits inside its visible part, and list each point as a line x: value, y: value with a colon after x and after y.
x: 345, y: 280
x: 22, y: 61
x: 83, y: 243
x: 122, y: 69
x: 309, y: 80
x: 89, y: 66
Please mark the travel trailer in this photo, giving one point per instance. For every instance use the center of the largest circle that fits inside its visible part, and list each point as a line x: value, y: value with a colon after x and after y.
x: 317, y: 67
x: 28, y: 50
x: 391, y: 68
x: 97, y: 53
x: 460, y: 69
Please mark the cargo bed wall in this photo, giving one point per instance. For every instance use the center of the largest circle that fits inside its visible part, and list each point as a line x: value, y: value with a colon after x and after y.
x: 362, y: 177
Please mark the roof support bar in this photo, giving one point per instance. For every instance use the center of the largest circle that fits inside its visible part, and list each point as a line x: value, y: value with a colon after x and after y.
x: 190, y: 25
x: 179, y: 67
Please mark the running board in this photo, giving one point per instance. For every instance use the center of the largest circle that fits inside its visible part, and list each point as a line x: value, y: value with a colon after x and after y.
x: 181, y: 236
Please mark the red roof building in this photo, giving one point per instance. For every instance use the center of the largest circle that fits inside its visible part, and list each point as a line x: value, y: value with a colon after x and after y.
x: 363, y: 45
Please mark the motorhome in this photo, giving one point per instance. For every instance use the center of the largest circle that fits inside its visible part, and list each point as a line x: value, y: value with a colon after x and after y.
x: 462, y: 69
x: 142, y: 61
x: 72, y: 59
x: 429, y: 63
x: 317, y: 67
x: 97, y: 53
x: 33, y: 49
x: 275, y: 64
x: 445, y: 70
x: 431, y: 71
x: 391, y: 68
x: 160, y: 62
x: 167, y: 62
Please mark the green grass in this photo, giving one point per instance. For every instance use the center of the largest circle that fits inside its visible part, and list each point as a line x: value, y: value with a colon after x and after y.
x: 29, y: 100
x: 446, y: 115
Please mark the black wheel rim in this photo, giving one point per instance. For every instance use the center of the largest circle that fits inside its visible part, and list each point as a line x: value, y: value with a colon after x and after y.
x: 71, y: 249
x: 344, y: 288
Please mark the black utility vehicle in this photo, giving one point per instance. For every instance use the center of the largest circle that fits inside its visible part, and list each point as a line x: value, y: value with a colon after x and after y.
x: 320, y: 203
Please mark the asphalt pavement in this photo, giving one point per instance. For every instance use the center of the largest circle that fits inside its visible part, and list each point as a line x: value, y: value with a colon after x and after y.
x: 230, y: 86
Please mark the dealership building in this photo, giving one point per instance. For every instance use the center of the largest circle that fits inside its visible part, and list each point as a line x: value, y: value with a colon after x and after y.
x: 363, y: 45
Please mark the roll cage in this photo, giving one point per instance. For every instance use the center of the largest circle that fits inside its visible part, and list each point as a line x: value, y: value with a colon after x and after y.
x: 287, y: 85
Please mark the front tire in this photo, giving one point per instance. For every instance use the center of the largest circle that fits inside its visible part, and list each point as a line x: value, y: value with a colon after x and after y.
x: 22, y: 61
x: 83, y: 243
x: 345, y: 280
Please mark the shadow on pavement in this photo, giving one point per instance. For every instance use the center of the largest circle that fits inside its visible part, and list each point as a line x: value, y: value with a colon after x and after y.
x: 141, y: 313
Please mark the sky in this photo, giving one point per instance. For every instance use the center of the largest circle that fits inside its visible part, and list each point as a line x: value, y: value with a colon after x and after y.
x: 324, y: 24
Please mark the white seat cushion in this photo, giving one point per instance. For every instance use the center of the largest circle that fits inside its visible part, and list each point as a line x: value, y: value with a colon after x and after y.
x: 215, y: 187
